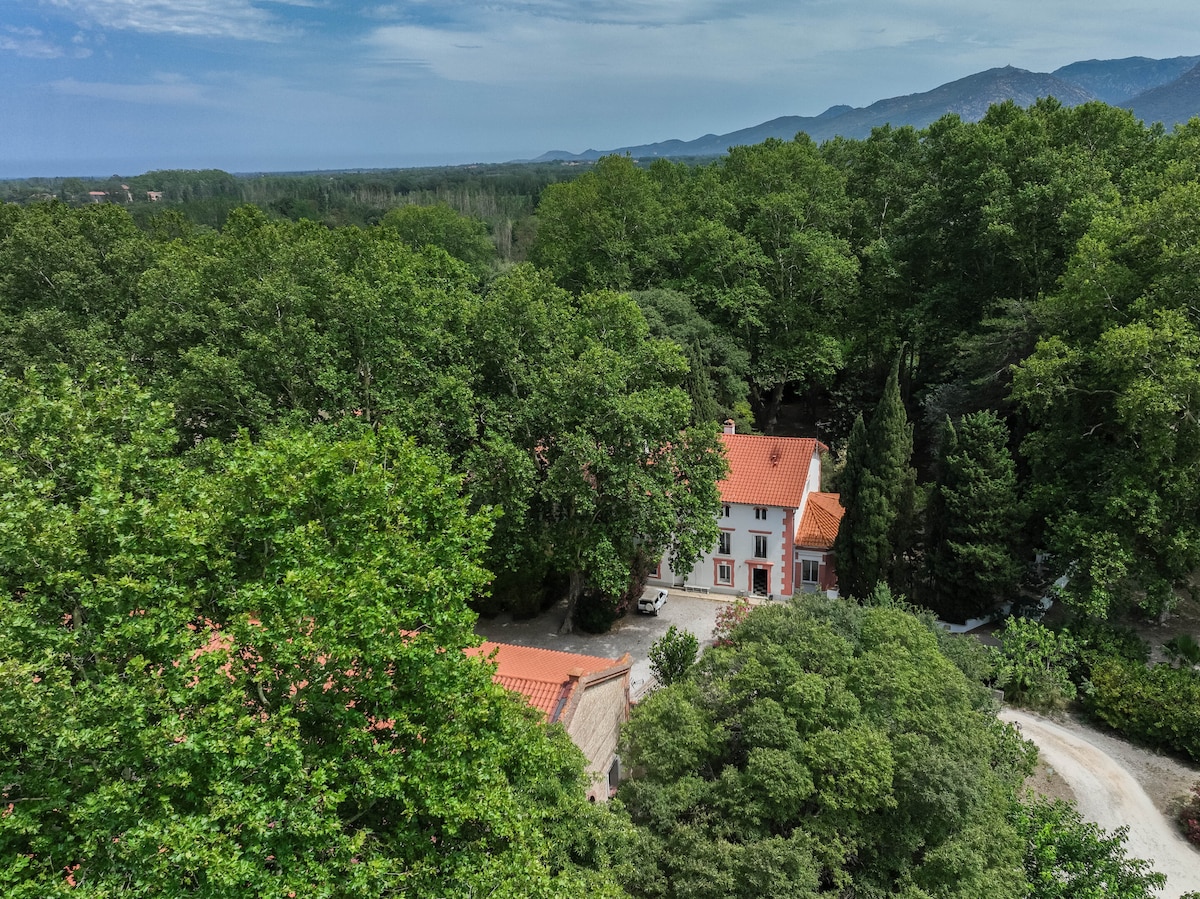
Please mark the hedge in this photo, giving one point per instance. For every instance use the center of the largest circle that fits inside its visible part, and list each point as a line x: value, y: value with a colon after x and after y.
x: 1159, y: 706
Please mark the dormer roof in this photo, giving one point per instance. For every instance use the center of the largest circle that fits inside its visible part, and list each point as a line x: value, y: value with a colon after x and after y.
x: 819, y: 524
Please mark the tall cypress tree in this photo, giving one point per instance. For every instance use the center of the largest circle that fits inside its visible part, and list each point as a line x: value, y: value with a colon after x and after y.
x: 877, y: 487
x: 859, y: 530
x: 891, y: 439
x: 972, y: 564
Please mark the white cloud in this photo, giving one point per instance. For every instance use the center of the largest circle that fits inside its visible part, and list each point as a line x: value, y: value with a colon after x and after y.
x: 205, y: 18
x: 167, y: 89
x: 523, y: 48
x: 769, y: 44
x: 29, y: 43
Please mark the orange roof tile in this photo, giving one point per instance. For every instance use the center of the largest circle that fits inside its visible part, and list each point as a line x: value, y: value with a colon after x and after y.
x: 542, y: 676
x: 767, y: 471
x: 819, y: 524
x: 548, y: 697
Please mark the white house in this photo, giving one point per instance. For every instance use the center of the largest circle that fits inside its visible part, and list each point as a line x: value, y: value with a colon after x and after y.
x: 777, y: 528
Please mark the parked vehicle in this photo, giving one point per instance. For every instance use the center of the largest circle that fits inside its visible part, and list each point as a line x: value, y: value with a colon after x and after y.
x: 649, y: 605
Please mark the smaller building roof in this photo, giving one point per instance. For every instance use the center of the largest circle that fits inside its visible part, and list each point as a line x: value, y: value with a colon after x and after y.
x: 545, y: 677
x: 819, y: 524
x: 767, y: 471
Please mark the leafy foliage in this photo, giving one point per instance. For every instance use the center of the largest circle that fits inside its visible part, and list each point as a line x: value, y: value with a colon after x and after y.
x: 729, y: 616
x: 877, y: 490
x: 672, y: 655
x: 1117, y: 369
x: 1036, y: 664
x: 829, y: 748
x: 463, y: 238
x: 237, y: 671
x: 1067, y: 857
x: 1157, y: 705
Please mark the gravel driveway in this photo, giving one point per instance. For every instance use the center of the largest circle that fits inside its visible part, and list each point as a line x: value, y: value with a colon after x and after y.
x: 633, y: 634
x: 1100, y: 771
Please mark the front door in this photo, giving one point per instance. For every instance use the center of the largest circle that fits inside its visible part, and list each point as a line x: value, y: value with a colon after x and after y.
x: 758, y: 581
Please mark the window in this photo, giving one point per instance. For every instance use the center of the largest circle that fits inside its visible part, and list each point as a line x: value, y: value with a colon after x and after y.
x: 760, y: 546
x: 760, y: 513
x: 724, y: 574
x: 810, y: 571
x: 656, y: 571
x: 723, y: 544
x: 725, y: 511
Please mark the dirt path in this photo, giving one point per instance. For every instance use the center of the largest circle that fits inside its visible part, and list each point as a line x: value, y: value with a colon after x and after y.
x: 1108, y: 794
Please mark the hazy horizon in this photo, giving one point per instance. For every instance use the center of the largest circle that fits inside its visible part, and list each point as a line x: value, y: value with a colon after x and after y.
x: 102, y: 87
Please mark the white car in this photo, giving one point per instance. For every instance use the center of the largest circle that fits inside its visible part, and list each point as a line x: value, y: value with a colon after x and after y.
x: 649, y: 605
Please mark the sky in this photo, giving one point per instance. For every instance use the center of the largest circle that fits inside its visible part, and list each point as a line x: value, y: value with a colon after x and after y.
x: 103, y: 87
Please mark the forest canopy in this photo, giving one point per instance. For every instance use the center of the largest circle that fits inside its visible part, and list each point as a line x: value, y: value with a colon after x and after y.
x: 263, y: 453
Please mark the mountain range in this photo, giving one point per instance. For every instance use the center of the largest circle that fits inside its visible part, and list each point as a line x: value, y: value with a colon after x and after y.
x: 1157, y: 90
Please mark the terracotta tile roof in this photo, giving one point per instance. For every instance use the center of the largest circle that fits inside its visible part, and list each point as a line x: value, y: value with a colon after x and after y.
x: 819, y: 524
x: 767, y: 471
x: 548, y: 697
x: 542, y: 676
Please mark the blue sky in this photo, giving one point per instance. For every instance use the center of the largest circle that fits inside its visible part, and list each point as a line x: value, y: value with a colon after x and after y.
x: 101, y: 87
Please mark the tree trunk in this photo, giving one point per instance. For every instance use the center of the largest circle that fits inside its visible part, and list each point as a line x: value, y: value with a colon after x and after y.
x: 573, y: 591
x: 771, y: 412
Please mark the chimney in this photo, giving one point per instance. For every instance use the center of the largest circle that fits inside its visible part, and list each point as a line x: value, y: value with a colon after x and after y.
x: 730, y: 427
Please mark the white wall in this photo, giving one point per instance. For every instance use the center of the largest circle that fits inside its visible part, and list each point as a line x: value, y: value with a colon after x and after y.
x: 742, y: 526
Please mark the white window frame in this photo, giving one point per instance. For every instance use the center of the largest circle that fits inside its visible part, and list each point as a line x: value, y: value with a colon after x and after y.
x: 760, y: 546
x: 723, y: 543
x: 724, y: 573
x: 804, y: 571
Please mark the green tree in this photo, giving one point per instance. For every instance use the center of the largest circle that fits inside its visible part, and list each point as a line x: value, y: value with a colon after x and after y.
x: 973, y: 520
x: 585, y: 438
x: 877, y: 490
x: 717, y: 365
x: 605, y: 229
x: 270, y: 319
x: 828, y: 748
x: 764, y: 243
x: 237, y: 672
x: 67, y: 279
x: 672, y: 655
x: 1111, y: 394
x: 1069, y: 858
x: 1035, y: 664
x: 464, y: 238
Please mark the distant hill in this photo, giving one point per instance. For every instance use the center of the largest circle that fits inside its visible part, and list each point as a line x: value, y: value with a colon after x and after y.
x: 1166, y: 90
x: 1116, y: 81
x: 1170, y: 103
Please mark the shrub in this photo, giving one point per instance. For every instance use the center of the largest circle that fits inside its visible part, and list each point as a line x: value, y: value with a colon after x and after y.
x: 1183, y: 651
x: 728, y: 618
x: 595, y: 611
x: 1096, y: 640
x: 1189, y: 817
x: 672, y: 655
x: 1159, y: 706
x: 1036, y: 664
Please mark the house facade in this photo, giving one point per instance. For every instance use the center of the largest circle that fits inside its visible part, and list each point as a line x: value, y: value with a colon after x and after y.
x: 777, y: 527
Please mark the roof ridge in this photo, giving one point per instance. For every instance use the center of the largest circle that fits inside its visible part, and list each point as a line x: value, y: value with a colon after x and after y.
x: 540, y: 650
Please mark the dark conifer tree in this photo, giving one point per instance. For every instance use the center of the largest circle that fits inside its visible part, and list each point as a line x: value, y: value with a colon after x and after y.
x: 891, y: 437
x: 972, y: 563
x: 877, y: 488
